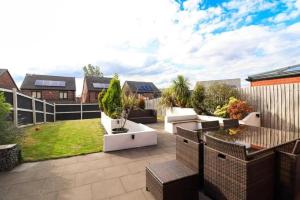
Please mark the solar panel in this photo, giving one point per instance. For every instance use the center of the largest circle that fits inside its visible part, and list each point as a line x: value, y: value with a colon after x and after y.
x: 50, y: 83
x: 145, y: 88
x: 101, y: 85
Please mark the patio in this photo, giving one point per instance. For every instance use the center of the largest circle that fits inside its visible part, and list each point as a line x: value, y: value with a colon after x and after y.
x: 117, y: 175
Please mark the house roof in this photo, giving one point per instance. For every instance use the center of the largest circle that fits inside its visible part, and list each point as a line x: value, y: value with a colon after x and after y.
x: 284, y: 72
x: 90, y: 80
x: 231, y: 82
x: 142, y: 87
x: 2, y: 71
x: 30, y: 82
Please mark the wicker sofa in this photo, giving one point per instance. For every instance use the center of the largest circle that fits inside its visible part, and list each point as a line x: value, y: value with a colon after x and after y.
x: 143, y: 116
x: 231, y: 173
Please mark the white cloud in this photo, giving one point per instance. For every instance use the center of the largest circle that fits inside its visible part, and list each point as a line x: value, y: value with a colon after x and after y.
x: 142, y: 40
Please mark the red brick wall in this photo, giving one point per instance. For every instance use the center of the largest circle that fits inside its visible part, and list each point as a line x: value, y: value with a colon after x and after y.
x: 6, y: 81
x: 53, y: 96
x: 276, y: 81
x: 84, y: 94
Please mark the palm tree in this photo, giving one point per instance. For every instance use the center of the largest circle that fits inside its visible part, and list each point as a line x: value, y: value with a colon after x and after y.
x: 181, y: 91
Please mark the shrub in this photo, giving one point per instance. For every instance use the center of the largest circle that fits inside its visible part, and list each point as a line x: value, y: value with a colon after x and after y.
x: 129, y: 101
x: 112, y: 101
x: 181, y: 91
x: 100, y: 97
x: 238, y: 109
x: 8, y: 132
x: 167, y: 99
x: 197, y: 98
x: 218, y: 95
x: 235, y: 109
x: 221, y: 111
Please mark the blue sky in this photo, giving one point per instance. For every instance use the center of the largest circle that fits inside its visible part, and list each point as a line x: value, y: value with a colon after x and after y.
x: 149, y: 40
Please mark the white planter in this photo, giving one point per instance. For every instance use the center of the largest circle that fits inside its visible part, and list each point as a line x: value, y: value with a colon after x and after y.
x: 138, y: 135
x: 110, y: 123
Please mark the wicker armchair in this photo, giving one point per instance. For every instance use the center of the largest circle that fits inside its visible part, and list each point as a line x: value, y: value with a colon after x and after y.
x: 288, y: 171
x: 210, y: 125
x: 232, y: 173
x: 189, y: 150
x: 231, y: 123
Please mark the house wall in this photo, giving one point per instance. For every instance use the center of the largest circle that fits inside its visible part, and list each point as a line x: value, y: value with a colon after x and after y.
x: 276, y: 81
x: 6, y: 81
x: 84, y: 94
x: 53, y: 95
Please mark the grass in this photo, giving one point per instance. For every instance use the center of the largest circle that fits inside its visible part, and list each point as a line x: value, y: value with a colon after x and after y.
x: 62, y: 139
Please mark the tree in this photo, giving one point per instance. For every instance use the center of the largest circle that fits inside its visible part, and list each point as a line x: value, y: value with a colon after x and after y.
x: 218, y: 95
x: 90, y: 70
x: 112, y: 100
x: 197, y: 99
x: 181, y: 91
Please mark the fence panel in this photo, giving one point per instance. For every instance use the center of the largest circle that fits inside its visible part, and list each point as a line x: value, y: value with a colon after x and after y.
x: 27, y: 110
x: 278, y: 105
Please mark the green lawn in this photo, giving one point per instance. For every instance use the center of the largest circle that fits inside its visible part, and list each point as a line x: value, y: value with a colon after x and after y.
x: 62, y: 139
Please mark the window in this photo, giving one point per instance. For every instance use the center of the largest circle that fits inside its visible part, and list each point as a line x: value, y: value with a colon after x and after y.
x: 36, y: 94
x: 63, y: 95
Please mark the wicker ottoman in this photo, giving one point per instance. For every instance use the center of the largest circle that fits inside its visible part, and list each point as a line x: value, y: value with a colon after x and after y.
x: 172, y: 180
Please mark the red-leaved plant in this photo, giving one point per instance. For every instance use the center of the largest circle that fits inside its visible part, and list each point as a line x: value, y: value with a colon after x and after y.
x: 238, y: 109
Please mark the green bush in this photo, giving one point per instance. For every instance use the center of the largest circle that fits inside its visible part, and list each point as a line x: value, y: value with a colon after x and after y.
x: 197, y: 99
x: 100, y: 97
x: 8, y: 132
x: 167, y: 99
x: 218, y: 95
x: 112, y: 101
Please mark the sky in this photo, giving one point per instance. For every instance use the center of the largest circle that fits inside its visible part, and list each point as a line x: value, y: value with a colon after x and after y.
x: 146, y: 40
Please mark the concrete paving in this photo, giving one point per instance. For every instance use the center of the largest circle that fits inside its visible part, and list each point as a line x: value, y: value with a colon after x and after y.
x: 118, y: 175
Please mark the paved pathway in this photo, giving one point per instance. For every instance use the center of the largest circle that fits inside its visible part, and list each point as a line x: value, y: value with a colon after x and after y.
x: 118, y: 175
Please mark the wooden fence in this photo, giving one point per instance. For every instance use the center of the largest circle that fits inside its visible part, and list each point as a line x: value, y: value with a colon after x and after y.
x: 27, y: 110
x: 278, y: 104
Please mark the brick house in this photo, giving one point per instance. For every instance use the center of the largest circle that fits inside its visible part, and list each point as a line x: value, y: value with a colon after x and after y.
x: 6, y: 80
x: 145, y: 90
x: 92, y: 85
x: 56, y: 89
x: 284, y: 75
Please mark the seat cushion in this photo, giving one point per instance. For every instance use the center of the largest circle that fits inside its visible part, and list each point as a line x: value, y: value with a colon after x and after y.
x: 170, y: 171
x: 175, y: 118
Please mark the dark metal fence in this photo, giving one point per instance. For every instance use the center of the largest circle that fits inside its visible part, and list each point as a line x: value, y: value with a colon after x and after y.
x: 27, y: 110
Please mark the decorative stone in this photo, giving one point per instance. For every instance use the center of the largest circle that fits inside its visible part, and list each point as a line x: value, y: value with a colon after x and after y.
x: 10, y: 156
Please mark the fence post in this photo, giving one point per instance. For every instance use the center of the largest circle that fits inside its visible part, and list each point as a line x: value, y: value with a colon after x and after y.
x: 33, y: 111
x: 81, y: 111
x: 15, y: 105
x: 54, y: 112
x: 45, y: 110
